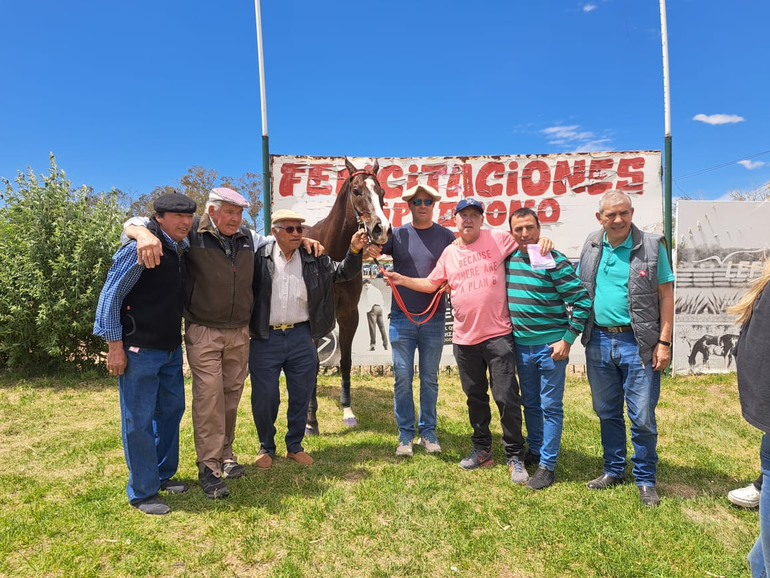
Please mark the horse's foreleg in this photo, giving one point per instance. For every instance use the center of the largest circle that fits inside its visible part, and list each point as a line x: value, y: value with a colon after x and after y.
x: 311, y: 428
x: 348, y: 327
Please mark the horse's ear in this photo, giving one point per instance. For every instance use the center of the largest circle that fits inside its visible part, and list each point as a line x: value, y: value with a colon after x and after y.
x: 350, y: 166
x: 376, y: 166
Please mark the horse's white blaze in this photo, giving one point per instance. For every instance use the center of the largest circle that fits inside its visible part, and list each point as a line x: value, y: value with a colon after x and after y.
x: 375, y: 200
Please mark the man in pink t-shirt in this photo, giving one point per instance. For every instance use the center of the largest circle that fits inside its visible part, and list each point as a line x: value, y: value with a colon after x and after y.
x: 474, y: 270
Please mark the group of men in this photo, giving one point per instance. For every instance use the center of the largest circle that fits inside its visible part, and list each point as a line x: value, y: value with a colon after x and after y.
x: 248, y: 301
x: 518, y: 307
x: 257, y: 303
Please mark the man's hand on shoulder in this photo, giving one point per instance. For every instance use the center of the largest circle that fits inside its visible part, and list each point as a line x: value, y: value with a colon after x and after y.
x: 148, y: 247
x: 313, y: 247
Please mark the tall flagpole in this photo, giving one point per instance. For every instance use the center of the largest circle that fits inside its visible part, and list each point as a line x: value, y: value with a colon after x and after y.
x: 667, y: 150
x: 266, y: 193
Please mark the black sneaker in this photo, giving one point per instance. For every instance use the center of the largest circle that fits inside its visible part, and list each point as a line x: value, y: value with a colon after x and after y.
x: 477, y: 459
x: 233, y: 470
x: 212, y: 486
x: 531, y: 459
x: 174, y: 487
x: 153, y: 506
x: 542, y: 479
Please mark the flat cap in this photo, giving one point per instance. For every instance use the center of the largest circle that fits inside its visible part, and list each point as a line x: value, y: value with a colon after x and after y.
x: 286, y: 215
x: 174, y: 203
x: 228, y: 196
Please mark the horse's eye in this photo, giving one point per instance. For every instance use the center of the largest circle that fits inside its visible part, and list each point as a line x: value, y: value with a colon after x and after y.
x: 357, y: 192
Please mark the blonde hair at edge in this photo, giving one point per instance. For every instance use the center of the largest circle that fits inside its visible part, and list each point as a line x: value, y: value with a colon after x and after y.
x: 745, y: 306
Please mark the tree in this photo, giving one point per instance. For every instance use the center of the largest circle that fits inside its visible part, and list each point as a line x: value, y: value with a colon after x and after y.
x: 760, y: 194
x: 197, y: 183
x: 56, y: 246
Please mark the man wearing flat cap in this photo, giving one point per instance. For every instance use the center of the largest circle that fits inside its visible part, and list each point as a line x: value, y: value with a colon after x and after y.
x: 416, y: 248
x: 217, y: 308
x: 482, y: 340
x: 293, y: 305
x: 140, y: 317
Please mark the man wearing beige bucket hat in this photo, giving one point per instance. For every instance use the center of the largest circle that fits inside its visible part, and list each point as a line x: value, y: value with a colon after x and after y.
x: 293, y: 305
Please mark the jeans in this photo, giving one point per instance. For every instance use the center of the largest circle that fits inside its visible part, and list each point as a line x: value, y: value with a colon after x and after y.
x: 473, y: 361
x: 151, y: 408
x: 428, y: 340
x: 542, y: 395
x: 759, y: 557
x: 294, y: 352
x: 616, y: 373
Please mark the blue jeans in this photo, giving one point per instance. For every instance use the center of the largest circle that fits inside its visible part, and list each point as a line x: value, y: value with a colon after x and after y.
x: 759, y: 557
x: 151, y: 408
x: 428, y: 340
x: 617, y: 373
x: 294, y: 352
x: 542, y: 393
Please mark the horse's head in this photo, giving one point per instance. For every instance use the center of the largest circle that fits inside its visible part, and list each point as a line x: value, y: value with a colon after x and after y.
x: 367, y: 200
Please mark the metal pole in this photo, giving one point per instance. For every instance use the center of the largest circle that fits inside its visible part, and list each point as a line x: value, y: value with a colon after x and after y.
x: 266, y: 192
x: 667, y: 149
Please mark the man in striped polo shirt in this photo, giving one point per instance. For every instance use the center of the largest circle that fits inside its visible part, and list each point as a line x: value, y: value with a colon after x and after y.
x: 543, y: 331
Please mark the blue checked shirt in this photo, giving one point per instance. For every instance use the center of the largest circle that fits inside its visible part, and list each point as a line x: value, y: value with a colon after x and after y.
x: 122, y: 277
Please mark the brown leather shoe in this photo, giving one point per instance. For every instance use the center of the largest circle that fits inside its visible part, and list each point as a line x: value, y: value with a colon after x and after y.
x: 300, y: 458
x: 263, y: 461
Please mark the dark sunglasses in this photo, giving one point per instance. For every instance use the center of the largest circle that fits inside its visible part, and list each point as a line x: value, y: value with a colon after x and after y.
x: 421, y: 202
x: 291, y: 230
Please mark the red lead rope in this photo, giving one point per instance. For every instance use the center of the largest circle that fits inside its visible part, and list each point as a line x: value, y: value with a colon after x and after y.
x: 430, y: 311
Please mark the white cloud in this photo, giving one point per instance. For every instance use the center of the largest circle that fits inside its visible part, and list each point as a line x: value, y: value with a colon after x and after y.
x: 714, y: 119
x: 589, y: 7
x: 751, y: 164
x: 576, y: 140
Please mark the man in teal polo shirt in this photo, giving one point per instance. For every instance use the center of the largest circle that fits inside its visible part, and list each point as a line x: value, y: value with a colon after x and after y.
x: 627, y: 339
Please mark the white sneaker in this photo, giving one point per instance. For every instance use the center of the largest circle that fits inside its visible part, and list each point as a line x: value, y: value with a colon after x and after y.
x: 404, y: 449
x: 747, y: 497
x: 432, y: 447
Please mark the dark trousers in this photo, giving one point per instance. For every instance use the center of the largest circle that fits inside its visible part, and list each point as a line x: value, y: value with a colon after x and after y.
x: 375, y: 320
x: 293, y: 352
x: 473, y: 361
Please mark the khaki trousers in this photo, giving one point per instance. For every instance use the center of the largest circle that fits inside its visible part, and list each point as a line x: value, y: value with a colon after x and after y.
x: 218, y: 361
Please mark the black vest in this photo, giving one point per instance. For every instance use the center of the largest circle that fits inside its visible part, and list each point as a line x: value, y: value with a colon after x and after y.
x: 151, y: 313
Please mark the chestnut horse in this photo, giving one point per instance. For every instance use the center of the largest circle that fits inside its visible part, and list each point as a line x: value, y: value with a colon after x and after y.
x: 359, y: 205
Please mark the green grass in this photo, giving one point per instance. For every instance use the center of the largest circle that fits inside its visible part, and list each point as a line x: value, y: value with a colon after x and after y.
x: 360, y: 511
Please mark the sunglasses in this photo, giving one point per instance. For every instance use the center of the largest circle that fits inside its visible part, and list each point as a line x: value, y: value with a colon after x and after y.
x: 291, y: 230
x: 421, y: 202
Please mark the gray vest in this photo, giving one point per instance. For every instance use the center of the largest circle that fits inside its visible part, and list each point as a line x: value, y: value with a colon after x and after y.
x: 643, y: 306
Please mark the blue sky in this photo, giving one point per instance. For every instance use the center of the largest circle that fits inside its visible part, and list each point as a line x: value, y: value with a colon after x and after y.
x: 130, y: 95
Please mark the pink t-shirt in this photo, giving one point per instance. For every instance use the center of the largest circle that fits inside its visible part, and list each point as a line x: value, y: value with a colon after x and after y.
x: 476, y: 275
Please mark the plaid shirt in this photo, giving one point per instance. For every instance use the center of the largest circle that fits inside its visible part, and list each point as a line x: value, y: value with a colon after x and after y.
x: 122, y: 277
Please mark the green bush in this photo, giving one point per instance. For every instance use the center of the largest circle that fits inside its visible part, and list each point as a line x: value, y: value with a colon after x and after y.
x: 56, y: 246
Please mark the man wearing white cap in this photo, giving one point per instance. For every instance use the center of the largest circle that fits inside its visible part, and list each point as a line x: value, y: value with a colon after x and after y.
x: 293, y: 305
x: 218, y: 301
x: 415, y: 248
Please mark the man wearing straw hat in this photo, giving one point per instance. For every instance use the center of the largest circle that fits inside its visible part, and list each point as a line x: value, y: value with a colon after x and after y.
x: 415, y: 248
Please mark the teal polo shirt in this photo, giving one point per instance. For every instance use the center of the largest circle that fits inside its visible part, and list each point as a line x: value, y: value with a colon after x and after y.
x: 611, y: 298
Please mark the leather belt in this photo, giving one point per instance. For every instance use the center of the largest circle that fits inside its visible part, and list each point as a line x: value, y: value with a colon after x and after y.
x: 285, y: 326
x: 618, y: 329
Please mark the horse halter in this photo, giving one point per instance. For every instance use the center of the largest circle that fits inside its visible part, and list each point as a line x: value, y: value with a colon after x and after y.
x: 358, y: 214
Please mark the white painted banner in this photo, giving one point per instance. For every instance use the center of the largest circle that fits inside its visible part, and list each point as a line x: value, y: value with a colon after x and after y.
x: 563, y: 188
